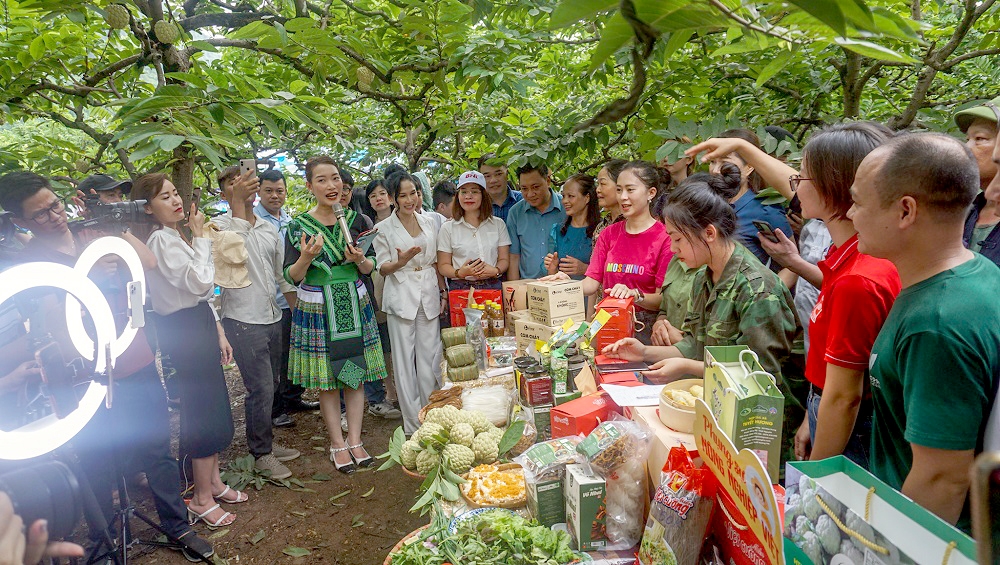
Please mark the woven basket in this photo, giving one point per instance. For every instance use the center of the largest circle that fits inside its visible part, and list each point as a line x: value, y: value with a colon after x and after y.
x: 400, y: 543
x: 510, y: 505
x: 456, y: 402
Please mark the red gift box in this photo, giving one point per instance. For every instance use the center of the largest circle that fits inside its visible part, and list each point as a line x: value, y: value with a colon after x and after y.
x: 622, y: 378
x: 736, y: 542
x: 581, y: 416
x: 621, y: 324
x: 458, y: 299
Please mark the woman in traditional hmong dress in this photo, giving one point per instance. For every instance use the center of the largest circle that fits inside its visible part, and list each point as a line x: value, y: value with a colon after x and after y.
x: 335, y: 342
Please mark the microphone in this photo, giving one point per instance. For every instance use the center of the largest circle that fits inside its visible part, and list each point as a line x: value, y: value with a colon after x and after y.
x: 338, y: 211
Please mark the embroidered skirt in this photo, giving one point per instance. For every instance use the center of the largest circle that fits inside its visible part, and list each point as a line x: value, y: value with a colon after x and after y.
x: 335, y: 345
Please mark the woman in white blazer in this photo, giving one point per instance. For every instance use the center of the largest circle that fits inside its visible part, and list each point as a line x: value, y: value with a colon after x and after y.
x: 406, y: 253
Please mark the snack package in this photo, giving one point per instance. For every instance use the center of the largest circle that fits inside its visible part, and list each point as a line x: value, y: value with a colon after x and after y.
x: 530, y: 434
x: 680, y: 513
x: 475, y: 336
x: 550, y: 456
x: 614, y: 443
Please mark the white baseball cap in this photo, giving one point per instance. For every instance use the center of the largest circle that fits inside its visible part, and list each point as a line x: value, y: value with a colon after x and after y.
x: 474, y: 177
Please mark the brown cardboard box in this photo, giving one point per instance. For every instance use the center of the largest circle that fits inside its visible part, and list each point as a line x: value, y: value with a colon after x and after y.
x: 663, y: 439
x: 515, y: 298
x: 553, y: 302
x: 527, y: 331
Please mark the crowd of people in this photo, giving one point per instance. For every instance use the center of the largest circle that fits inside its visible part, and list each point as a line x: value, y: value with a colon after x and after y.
x: 886, y: 257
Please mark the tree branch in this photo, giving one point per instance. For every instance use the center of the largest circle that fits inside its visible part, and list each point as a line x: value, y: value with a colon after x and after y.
x: 230, y: 20
x: 111, y: 69
x: 372, y: 13
x: 748, y: 24
x: 970, y: 55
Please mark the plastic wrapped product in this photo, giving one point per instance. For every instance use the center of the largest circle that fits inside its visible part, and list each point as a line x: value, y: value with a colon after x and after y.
x: 613, y: 443
x: 475, y: 336
x: 493, y: 401
x: 549, y: 457
x: 679, y: 514
x: 460, y: 356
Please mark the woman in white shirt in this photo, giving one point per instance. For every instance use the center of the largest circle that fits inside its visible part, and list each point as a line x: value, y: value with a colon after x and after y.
x: 406, y: 253
x: 473, y: 247
x: 189, y: 332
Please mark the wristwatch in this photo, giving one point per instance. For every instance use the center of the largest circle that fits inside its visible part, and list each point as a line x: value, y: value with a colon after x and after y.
x: 639, y: 296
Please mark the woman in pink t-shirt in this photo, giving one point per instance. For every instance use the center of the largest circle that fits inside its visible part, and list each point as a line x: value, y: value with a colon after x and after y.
x: 630, y: 258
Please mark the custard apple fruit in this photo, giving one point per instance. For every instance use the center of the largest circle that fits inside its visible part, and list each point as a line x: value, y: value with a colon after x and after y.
x: 447, y: 416
x: 486, y: 447
x: 479, y: 422
x: 459, y: 457
x: 365, y: 77
x: 408, y: 454
x: 426, y: 432
x: 462, y: 434
x: 426, y: 461
x: 116, y: 16
x: 166, y: 32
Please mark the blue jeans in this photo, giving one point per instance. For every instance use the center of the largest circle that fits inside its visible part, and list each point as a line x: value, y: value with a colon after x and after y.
x: 374, y: 393
x: 859, y: 444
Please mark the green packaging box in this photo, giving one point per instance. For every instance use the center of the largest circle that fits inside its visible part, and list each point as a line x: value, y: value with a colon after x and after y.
x: 586, y: 512
x: 546, y: 503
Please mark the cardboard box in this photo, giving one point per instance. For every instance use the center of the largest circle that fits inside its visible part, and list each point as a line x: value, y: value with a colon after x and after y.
x: 663, y: 439
x: 552, y: 303
x: 515, y: 298
x: 581, y: 416
x: 623, y: 378
x: 541, y: 416
x: 620, y: 325
x: 546, y: 502
x: 586, y: 508
x: 526, y: 332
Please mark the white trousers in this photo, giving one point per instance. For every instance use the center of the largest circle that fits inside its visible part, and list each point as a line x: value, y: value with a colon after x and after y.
x: 416, y: 363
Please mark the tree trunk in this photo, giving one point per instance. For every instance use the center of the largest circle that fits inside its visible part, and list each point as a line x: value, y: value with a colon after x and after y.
x: 851, y: 85
x: 182, y: 173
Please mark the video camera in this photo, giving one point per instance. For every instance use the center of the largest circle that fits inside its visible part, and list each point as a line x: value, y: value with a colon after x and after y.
x: 115, y: 216
x: 45, y: 491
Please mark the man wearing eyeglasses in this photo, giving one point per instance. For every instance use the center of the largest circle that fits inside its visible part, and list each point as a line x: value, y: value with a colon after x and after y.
x: 982, y: 227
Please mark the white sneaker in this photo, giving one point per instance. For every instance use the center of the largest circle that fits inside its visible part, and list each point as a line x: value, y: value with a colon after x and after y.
x: 343, y: 422
x: 385, y: 410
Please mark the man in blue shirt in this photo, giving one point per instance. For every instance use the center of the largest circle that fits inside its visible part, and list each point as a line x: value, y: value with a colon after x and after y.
x: 287, y: 395
x: 504, y: 198
x: 530, y: 221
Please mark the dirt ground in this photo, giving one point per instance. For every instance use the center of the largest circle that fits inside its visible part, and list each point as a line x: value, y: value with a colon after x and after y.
x: 360, y: 532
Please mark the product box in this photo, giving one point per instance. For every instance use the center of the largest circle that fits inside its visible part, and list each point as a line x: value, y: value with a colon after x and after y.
x: 515, y: 297
x: 566, y: 397
x: 553, y: 302
x: 546, y: 503
x: 581, y: 416
x: 663, y: 439
x: 527, y: 332
x: 623, y: 378
x: 585, y: 508
x: 541, y: 416
x: 620, y: 325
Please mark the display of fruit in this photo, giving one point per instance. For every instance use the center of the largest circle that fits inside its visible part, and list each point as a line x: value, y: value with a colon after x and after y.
x: 116, y: 16
x: 449, y: 434
x: 460, y: 355
x: 459, y: 457
x: 462, y: 434
x: 166, y: 32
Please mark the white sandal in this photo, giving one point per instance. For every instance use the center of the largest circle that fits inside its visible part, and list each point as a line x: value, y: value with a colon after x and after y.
x: 193, y: 517
x: 241, y: 496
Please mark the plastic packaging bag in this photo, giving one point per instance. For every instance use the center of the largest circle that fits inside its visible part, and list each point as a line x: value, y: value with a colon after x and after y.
x: 549, y: 457
x: 530, y: 434
x: 625, y: 501
x: 614, y: 443
x: 493, y: 401
x: 475, y: 336
x: 680, y: 513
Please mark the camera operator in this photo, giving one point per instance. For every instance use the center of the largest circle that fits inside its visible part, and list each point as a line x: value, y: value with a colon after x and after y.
x: 136, y: 431
x: 107, y: 189
x: 28, y: 545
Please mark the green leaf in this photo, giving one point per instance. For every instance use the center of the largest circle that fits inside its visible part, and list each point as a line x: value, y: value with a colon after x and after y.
x: 512, y: 436
x: 874, y: 50
x: 774, y: 67
x: 298, y: 24
x: 293, y: 551
x: 170, y: 142
x: 37, y: 48
x: 339, y: 496
x: 221, y: 533
x: 572, y: 11
x: 828, y: 12
x: 322, y: 477
x: 614, y: 36
x: 258, y: 537
x: 369, y: 493
x: 356, y: 520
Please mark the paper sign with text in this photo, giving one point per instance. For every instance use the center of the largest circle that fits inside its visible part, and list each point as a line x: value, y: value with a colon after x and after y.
x: 743, y: 478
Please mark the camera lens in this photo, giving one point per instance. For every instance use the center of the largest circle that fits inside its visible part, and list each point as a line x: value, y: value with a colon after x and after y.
x: 45, y: 491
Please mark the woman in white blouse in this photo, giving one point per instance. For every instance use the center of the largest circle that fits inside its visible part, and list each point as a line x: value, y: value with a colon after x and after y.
x: 406, y: 253
x: 189, y: 332
x: 473, y: 247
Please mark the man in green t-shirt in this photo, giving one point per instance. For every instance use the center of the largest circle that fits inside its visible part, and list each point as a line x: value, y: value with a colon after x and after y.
x: 935, y: 364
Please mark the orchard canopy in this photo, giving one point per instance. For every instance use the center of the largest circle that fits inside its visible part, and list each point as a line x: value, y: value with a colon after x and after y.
x: 192, y: 85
